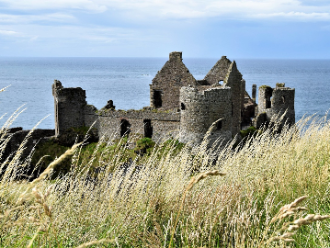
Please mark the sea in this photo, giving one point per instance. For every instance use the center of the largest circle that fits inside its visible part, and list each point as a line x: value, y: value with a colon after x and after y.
x: 126, y: 82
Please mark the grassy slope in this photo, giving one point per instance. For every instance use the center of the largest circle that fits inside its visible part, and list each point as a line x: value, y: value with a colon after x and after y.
x: 138, y: 206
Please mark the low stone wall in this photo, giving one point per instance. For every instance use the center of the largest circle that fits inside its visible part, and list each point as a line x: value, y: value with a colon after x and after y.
x: 163, y: 125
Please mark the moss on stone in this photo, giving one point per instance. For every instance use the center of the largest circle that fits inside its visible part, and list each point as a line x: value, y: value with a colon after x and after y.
x: 265, y: 87
x: 280, y: 85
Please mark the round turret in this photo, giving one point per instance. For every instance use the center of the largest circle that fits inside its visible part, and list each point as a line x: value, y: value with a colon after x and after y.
x: 283, y: 102
x: 201, y: 109
x: 273, y: 103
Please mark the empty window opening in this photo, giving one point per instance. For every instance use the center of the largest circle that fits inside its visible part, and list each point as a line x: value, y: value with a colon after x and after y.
x: 283, y: 99
x: 124, y: 127
x: 268, y: 102
x: 183, y: 107
x: 219, y: 125
x: 268, y: 97
x: 157, y: 99
x: 147, y: 128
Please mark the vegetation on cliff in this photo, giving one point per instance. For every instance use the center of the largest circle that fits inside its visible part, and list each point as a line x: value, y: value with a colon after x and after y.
x: 273, y: 191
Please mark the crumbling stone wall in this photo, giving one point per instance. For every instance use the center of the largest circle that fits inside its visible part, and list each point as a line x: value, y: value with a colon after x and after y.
x: 199, y: 109
x: 163, y: 125
x: 165, y: 87
x: 283, y: 102
x: 90, y: 116
x: 248, y: 112
x: 218, y: 72
x: 237, y: 84
x: 71, y: 109
x: 273, y: 103
x: 179, y: 102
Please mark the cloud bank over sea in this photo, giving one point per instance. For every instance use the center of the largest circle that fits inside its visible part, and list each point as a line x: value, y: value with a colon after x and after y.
x: 149, y: 28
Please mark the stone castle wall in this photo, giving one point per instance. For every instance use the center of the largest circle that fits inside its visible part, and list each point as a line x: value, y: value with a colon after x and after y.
x: 165, y: 87
x: 90, y: 116
x: 218, y: 72
x: 200, y: 109
x: 237, y: 84
x: 274, y: 102
x: 69, y: 107
x: 112, y: 123
x: 180, y: 105
x: 283, y: 102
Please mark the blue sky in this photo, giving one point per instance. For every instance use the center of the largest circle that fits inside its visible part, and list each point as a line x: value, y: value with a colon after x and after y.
x: 153, y: 28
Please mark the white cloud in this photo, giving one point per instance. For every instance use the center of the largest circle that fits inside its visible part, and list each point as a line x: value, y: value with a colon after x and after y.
x: 9, y: 33
x: 186, y: 9
x: 299, y: 16
x: 54, y: 4
x: 182, y: 9
x: 17, y: 35
x: 70, y: 34
x: 54, y: 17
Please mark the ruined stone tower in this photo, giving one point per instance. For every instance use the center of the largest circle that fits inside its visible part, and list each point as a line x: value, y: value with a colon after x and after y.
x: 69, y: 107
x: 199, y: 109
x: 274, y: 102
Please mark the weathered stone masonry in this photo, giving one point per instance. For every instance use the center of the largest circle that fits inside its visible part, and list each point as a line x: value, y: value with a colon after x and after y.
x: 116, y: 123
x: 173, y: 76
x: 180, y: 106
x: 274, y: 103
x: 199, y: 109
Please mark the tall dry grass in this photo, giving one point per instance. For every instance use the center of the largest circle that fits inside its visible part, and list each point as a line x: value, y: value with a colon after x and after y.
x: 274, y: 193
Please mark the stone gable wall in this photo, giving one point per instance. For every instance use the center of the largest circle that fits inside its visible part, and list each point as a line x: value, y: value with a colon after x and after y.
x: 237, y: 84
x: 218, y: 72
x: 168, y: 82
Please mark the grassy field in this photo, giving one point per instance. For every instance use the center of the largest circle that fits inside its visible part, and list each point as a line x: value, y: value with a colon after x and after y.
x: 271, y: 192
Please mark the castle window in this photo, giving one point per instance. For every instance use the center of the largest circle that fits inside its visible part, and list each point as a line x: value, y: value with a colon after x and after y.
x: 157, y: 99
x: 183, y: 107
x: 147, y: 128
x: 124, y: 127
x: 268, y: 97
x: 219, y: 125
x: 283, y: 99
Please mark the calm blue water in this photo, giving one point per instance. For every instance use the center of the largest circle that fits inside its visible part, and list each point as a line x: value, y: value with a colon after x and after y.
x: 126, y: 81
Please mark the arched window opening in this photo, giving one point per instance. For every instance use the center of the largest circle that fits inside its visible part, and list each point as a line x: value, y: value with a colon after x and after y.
x: 283, y: 99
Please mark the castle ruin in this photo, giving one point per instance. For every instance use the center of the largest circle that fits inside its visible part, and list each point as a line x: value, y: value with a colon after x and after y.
x: 181, y: 106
